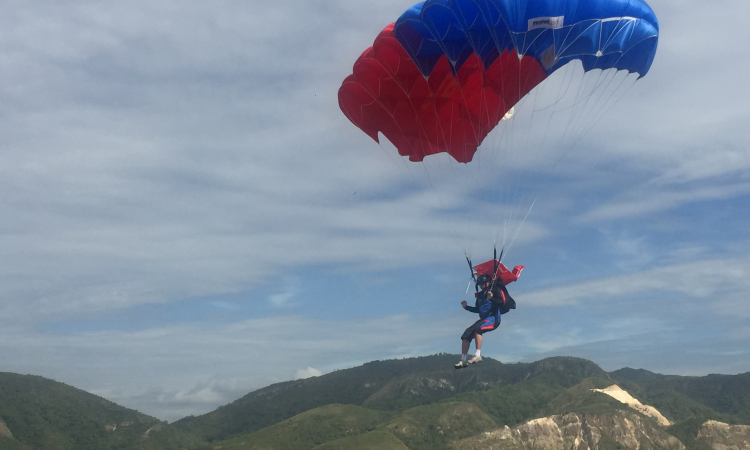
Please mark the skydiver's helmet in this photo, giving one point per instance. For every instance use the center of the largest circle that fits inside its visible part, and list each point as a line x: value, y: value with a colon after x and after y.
x: 484, y: 278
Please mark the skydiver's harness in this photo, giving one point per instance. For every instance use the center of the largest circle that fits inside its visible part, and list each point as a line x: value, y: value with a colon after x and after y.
x: 507, y: 301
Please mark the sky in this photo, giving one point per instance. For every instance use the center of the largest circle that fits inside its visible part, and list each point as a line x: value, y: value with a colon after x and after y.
x: 187, y: 216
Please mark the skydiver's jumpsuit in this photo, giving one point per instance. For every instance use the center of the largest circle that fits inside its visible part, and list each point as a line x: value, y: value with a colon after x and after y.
x: 489, y: 311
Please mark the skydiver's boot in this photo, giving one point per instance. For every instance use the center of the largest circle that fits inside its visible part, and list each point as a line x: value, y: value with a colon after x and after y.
x: 475, y: 359
x: 461, y: 364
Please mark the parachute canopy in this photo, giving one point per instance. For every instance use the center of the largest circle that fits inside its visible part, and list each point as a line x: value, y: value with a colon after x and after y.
x: 446, y: 72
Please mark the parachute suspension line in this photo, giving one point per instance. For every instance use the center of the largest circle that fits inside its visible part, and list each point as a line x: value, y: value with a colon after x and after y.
x: 548, y: 112
x: 450, y: 224
x: 475, y: 174
x: 445, y: 135
x: 424, y: 132
x: 398, y: 162
x: 603, y: 94
x: 483, y: 114
x: 463, y: 174
x: 518, y: 230
x: 557, y: 107
x: 492, y: 163
x: 502, y: 156
x: 575, y: 111
x: 510, y: 147
x: 604, y: 105
x: 566, y: 142
x: 516, y: 148
x: 584, y: 111
x: 602, y: 101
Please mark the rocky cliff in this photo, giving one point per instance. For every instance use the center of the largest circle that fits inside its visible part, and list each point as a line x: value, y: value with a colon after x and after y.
x: 720, y: 436
x: 575, y: 431
x: 4, y: 431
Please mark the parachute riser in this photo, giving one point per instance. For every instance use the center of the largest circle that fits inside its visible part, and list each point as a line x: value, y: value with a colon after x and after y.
x: 496, y: 265
x: 473, y: 275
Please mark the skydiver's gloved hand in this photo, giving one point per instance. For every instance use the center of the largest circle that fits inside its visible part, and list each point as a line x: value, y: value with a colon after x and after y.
x: 463, y: 303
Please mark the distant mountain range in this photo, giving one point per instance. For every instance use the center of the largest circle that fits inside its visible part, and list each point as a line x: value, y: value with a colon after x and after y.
x: 559, y: 403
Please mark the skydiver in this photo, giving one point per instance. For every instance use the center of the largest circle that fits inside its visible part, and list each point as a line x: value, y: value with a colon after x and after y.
x: 491, y: 301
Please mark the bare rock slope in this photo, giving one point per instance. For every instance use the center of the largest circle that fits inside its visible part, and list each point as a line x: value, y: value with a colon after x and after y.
x: 721, y: 436
x: 574, y: 431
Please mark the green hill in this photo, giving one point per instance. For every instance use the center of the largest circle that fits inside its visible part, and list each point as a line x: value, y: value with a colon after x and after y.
x: 282, y: 401
x: 311, y: 428
x: 374, y: 440
x: 417, y: 403
x: 436, y: 426
x: 394, y: 385
x: 433, y: 427
x: 431, y: 405
x: 426, y: 427
x: 42, y: 414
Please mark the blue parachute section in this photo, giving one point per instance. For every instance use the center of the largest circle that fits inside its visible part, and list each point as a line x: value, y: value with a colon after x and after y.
x: 602, y: 34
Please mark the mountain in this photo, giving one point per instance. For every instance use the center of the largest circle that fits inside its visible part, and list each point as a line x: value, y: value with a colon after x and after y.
x: 40, y: 414
x: 594, y: 414
x: 396, y: 385
x: 559, y: 403
x: 691, y: 401
x: 725, y: 397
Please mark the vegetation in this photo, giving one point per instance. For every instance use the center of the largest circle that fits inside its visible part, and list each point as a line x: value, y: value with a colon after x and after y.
x: 511, y: 405
x: 721, y: 397
x: 433, y: 427
x: 375, y: 440
x: 282, y: 401
x: 44, y: 414
x: 417, y: 403
x: 394, y: 385
x: 311, y: 428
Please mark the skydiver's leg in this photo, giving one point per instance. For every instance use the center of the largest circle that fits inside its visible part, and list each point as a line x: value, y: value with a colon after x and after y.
x: 482, y: 327
x: 466, y: 338
x: 478, y: 343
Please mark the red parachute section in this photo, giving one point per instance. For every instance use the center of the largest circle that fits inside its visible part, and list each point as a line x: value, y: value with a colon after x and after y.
x: 442, y: 113
x: 507, y: 276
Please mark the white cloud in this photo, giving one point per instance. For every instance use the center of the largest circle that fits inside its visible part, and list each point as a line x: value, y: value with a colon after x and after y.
x: 308, y: 373
x: 648, y: 200
x: 704, y: 279
x: 281, y: 299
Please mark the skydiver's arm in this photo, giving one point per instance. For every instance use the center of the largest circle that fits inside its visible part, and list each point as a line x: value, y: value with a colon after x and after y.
x: 473, y: 309
x: 466, y: 306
